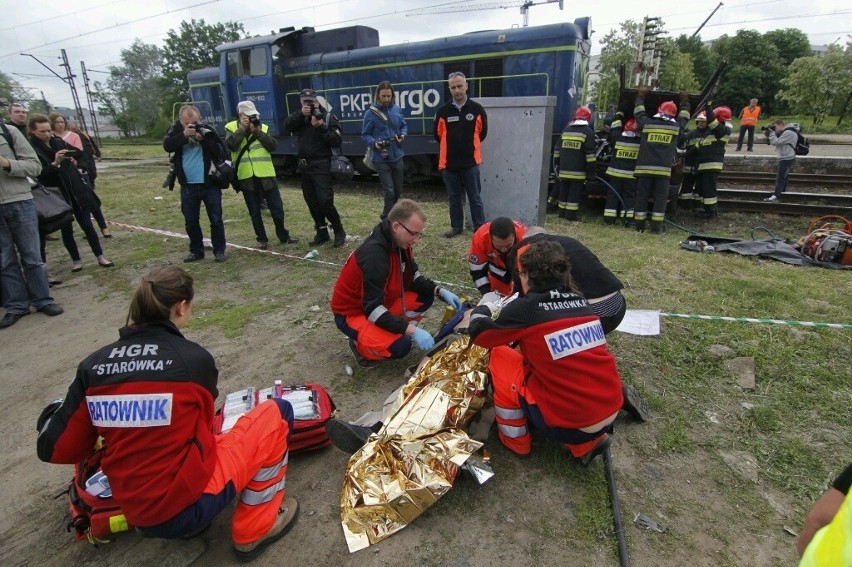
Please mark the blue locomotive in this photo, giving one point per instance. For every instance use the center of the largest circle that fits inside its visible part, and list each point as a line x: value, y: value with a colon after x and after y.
x: 344, y: 66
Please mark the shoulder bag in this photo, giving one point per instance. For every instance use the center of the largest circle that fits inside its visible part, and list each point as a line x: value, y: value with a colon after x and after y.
x: 54, y: 212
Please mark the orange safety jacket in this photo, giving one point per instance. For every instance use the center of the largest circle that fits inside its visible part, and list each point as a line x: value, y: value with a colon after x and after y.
x: 749, y: 117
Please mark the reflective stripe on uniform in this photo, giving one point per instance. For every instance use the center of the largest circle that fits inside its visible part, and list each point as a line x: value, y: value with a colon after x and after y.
x: 376, y: 313
x: 511, y: 431
x: 253, y: 498
x: 509, y: 413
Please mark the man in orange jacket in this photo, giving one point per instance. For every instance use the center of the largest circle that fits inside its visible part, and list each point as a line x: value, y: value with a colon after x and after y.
x: 748, y: 120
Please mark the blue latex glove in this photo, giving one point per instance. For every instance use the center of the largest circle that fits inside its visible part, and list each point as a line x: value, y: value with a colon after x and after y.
x: 423, y: 339
x: 450, y: 298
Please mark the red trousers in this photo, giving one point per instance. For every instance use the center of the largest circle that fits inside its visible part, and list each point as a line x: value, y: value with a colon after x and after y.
x: 374, y: 342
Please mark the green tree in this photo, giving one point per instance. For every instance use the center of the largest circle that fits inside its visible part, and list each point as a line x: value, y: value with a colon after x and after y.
x: 618, y: 52
x: 703, y: 61
x: 192, y: 47
x: 133, y: 92
x: 754, y: 69
x: 791, y: 44
x: 818, y: 85
x: 676, y: 69
x: 11, y: 90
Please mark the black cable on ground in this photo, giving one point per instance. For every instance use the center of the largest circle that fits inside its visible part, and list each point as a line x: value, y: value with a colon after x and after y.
x: 623, y: 556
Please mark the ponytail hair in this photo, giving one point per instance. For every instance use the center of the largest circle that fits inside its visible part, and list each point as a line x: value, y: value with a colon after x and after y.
x: 157, y: 293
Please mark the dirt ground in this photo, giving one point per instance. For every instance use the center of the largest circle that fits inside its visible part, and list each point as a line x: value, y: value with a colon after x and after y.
x: 524, y: 516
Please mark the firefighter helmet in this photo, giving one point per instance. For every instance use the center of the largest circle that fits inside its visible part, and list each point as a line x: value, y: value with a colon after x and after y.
x: 723, y: 113
x: 583, y: 113
x: 631, y: 126
x: 669, y: 108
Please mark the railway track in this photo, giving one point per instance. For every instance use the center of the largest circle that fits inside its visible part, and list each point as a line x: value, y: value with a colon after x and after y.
x: 768, y: 177
x: 792, y: 203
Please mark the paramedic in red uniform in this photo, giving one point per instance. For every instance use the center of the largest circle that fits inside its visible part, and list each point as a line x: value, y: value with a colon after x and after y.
x: 380, y: 294
x: 560, y: 376
x: 150, y: 396
x: 489, y: 249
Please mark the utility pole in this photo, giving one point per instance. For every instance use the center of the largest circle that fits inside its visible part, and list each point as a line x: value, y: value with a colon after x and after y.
x: 89, y: 98
x: 69, y: 78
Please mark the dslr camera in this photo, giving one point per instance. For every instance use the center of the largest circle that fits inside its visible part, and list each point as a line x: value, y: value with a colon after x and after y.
x: 316, y: 112
x: 202, y: 129
x: 254, y: 119
x: 767, y: 129
x: 72, y: 153
x: 383, y: 146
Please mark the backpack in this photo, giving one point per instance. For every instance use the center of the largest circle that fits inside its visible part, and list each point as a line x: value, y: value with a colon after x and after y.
x: 95, y: 515
x: 803, y: 145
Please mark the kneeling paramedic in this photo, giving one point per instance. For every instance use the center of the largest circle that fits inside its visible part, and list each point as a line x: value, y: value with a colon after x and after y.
x: 380, y: 295
x: 150, y: 397
x: 560, y: 376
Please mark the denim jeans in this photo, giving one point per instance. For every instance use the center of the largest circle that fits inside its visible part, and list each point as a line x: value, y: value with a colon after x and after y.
x: 784, y: 167
x: 459, y: 182
x: 191, y: 197
x: 390, y: 174
x: 253, y: 199
x: 25, y: 283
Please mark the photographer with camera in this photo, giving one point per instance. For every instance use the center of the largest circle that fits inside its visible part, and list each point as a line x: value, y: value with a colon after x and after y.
x: 250, y: 144
x: 197, y: 148
x: 318, y: 132
x: 784, y: 139
x: 384, y: 129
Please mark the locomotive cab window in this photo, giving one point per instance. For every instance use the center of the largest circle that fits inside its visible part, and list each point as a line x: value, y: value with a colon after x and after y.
x: 247, y: 62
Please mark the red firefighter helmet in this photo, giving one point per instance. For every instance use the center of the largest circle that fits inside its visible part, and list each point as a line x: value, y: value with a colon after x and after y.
x: 583, y: 113
x: 702, y: 117
x: 631, y: 126
x: 669, y: 108
x: 723, y: 113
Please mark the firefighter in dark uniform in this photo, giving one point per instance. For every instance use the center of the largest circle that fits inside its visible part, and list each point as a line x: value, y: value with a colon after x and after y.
x: 687, y: 197
x: 576, y: 162
x: 625, y: 138
x: 657, y: 151
x: 711, y: 158
x: 318, y: 133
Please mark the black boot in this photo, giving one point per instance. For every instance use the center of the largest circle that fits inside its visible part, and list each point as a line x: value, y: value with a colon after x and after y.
x: 322, y: 236
x: 656, y: 227
x: 339, y: 235
x: 639, y: 225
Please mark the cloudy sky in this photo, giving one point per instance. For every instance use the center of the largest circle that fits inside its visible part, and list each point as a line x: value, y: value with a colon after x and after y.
x: 95, y: 31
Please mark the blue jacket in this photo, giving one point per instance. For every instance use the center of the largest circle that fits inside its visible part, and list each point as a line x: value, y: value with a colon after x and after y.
x: 374, y: 128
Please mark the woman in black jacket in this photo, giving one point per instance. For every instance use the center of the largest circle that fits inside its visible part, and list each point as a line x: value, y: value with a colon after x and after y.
x: 59, y: 171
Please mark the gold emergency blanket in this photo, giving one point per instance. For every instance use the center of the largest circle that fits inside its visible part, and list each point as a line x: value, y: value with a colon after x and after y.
x: 414, y: 459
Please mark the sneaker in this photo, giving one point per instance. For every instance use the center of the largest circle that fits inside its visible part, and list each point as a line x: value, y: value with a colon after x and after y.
x: 52, y: 310
x: 193, y: 258
x: 359, y: 358
x: 78, y: 265
x: 10, y: 319
x: 751, y: 150
x: 346, y: 436
x: 452, y: 233
x: 104, y: 263
x: 219, y: 257
x: 287, y: 516
x: 599, y: 449
x: 634, y: 404
x: 771, y: 199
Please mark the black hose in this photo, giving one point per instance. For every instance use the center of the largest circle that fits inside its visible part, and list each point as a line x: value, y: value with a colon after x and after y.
x: 623, y: 556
